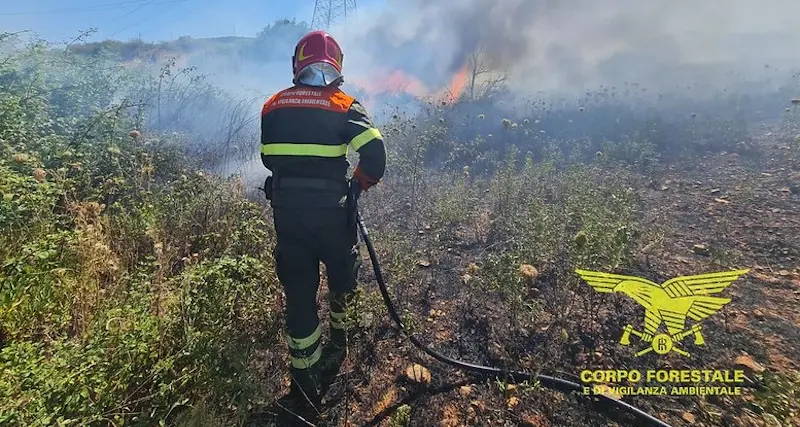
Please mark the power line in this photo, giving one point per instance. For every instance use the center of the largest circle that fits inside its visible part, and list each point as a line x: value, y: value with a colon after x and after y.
x: 94, y: 8
x: 142, y: 20
x: 134, y: 10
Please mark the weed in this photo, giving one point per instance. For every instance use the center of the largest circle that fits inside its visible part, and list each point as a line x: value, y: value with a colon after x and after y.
x: 780, y: 395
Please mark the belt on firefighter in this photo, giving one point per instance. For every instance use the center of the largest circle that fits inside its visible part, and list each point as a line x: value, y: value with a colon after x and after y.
x: 318, y: 184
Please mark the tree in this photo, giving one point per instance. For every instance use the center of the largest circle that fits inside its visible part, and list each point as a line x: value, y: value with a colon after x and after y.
x: 275, y: 40
x: 485, y: 79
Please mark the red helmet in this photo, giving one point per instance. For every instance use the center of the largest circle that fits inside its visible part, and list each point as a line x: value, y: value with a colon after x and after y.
x: 314, y: 48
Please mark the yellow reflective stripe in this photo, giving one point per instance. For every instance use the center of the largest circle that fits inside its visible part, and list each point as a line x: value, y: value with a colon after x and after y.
x: 290, y: 149
x: 307, y: 362
x: 365, y: 137
x: 303, y: 343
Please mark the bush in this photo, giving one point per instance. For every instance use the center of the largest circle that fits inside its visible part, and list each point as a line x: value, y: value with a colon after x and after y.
x: 133, y: 285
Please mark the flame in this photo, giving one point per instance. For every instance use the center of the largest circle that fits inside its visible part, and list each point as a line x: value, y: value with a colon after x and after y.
x: 457, y: 83
x: 392, y: 82
x: 398, y: 82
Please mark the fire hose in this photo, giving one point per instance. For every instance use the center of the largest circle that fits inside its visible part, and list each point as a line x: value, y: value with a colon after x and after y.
x: 546, y: 381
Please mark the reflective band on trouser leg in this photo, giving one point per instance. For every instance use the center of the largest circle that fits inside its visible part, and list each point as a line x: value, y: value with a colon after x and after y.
x: 293, y: 149
x: 305, y: 352
x: 365, y: 137
x: 337, y: 320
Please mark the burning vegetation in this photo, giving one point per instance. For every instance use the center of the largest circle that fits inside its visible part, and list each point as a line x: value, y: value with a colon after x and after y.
x: 137, y: 283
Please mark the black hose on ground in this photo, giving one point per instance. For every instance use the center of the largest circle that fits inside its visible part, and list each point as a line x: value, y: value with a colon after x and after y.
x: 546, y: 381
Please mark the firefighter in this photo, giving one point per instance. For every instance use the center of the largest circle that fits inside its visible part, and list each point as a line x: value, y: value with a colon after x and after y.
x: 306, y: 131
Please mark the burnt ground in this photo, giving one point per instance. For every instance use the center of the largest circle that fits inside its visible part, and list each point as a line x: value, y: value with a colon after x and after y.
x: 742, y: 209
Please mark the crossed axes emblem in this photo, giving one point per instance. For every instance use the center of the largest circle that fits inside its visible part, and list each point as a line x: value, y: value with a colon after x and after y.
x: 663, y: 343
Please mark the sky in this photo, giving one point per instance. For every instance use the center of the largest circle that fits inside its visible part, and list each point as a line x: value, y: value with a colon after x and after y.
x: 152, y: 20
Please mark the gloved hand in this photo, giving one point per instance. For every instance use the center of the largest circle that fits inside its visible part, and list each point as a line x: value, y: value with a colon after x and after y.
x: 363, y: 180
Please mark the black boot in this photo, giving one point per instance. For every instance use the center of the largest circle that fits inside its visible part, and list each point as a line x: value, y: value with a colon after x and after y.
x: 333, y: 355
x: 305, y: 386
x: 304, y: 401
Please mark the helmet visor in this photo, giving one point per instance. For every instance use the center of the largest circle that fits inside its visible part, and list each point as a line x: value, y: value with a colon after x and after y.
x: 320, y: 75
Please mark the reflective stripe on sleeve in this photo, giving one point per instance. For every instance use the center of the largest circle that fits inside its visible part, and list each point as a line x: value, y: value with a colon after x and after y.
x: 290, y: 149
x: 365, y: 137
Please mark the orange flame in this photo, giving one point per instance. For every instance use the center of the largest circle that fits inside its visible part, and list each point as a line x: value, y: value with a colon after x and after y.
x: 392, y: 82
x: 398, y: 82
x: 457, y: 83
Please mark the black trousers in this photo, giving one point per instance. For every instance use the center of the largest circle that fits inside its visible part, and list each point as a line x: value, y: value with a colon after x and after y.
x: 306, y: 237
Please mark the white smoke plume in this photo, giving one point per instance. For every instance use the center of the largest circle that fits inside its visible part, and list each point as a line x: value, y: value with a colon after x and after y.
x: 573, y: 45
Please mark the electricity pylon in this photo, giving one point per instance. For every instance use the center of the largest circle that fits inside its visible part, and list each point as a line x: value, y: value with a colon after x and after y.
x: 328, y: 13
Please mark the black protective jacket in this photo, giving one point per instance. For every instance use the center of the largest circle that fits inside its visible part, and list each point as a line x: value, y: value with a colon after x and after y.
x: 305, y: 136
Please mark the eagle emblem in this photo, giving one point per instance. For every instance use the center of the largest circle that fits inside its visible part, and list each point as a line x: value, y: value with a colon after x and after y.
x: 670, y: 303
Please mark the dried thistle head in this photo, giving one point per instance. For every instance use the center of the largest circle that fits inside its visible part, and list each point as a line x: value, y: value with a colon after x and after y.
x: 135, y: 134
x: 529, y: 272
x: 20, y: 157
x: 39, y: 174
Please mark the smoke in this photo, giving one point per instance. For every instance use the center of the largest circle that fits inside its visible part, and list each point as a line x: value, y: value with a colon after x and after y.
x: 574, y: 45
x: 677, y: 47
